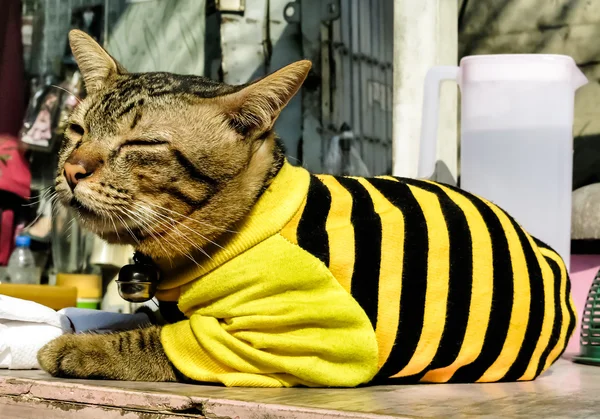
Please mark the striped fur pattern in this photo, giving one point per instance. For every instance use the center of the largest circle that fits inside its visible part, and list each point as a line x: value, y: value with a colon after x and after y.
x: 171, y: 163
x: 454, y: 288
x: 135, y: 355
x: 167, y: 155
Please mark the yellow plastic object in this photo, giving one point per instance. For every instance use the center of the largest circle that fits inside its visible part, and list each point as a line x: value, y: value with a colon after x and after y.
x: 55, y: 297
x: 88, y: 286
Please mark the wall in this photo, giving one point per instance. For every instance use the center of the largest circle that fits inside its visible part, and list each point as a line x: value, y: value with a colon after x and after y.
x: 570, y: 27
x: 160, y: 35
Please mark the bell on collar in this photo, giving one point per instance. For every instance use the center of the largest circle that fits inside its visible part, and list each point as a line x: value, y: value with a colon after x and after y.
x: 138, y: 282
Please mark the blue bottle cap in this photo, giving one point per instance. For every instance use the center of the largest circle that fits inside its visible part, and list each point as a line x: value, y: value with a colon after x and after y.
x: 23, y: 241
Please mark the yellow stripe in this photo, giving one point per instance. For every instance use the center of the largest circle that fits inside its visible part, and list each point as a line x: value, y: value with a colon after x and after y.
x: 481, y: 295
x: 438, y: 273
x: 289, y: 231
x: 390, y: 274
x: 564, y: 300
x: 549, y: 314
x: 340, y: 231
x: 519, y: 316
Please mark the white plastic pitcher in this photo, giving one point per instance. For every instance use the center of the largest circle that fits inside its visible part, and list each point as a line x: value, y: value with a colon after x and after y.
x: 516, y: 136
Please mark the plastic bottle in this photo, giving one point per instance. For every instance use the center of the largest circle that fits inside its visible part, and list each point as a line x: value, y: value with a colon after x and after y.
x: 21, y: 267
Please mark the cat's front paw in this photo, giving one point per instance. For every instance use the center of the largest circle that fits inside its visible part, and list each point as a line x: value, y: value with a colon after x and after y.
x: 70, y: 356
x: 134, y: 355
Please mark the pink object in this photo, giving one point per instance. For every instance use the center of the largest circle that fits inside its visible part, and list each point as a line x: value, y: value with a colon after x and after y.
x: 15, y: 178
x: 583, y: 271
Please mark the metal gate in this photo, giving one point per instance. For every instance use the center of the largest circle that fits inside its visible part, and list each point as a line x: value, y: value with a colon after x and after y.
x: 347, y: 102
x: 345, y: 107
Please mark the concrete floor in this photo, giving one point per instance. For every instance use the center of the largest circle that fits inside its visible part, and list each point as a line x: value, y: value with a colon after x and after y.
x: 566, y: 391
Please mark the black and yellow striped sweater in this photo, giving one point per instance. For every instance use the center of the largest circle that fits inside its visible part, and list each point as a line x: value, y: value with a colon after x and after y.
x: 339, y: 281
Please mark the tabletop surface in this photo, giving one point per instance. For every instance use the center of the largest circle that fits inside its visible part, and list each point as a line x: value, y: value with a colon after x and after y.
x: 567, y: 390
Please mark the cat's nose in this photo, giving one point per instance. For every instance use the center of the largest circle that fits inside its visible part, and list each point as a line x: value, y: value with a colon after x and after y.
x: 74, y: 173
x: 76, y: 169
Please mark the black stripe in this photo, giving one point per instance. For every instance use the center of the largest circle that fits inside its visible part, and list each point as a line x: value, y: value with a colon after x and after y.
x: 110, y: 101
x: 460, y: 284
x: 541, y: 244
x: 169, y: 310
x: 193, y: 170
x: 367, y: 248
x: 185, y: 198
x: 163, y: 92
x: 59, y: 360
x: 152, y: 341
x: 136, y: 119
x: 133, y: 89
x: 572, y: 316
x: 125, y: 342
x: 94, y: 106
x: 141, y: 340
x: 311, y: 233
x: 558, y: 320
x: 129, y: 107
x: 414, y: 272
x: 536, y: 308
x: 120, y: 345
x: 126, y: 109
x: 502, y: 295
x: 409, y: 379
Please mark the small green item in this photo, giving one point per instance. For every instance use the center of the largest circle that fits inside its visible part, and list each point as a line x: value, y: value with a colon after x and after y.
x: 590, y: 327
x: 91, y: 303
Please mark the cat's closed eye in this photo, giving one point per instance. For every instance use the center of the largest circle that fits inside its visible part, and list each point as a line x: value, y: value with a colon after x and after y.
x: 143, y: 143
x: 76, y: 129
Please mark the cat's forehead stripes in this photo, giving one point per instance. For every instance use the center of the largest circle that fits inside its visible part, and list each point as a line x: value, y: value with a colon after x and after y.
x: 133, y: 90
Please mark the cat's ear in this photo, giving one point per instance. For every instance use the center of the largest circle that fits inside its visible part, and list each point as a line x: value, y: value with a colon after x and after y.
x: 255, y: 108
x: 95, y: 64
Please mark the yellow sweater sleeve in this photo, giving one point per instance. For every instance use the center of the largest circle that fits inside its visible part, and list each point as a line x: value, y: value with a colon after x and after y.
x: 274, y: 316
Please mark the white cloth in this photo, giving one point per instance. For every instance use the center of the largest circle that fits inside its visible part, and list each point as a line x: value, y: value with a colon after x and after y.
x: 25, y: 327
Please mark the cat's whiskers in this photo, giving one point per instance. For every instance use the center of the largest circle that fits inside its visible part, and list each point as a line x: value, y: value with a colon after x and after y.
x: 189, y: 218
x: 53, y: 207
x: 70, y: 225
x: 171, y: 219
x: 104, y: 220
x: 175, y: 223
x: 66, y: 90
x: 115, y: 226
x: 69, y: 230
x: 147, y: 228
x: 127, y: 228
x: 145, y: 225
x: 50, y: 200
x: 183, y: 236
x: 42, y: 196
x: 155, y: 219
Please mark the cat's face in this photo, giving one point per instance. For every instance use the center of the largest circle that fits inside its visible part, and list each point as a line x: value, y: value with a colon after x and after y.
x: 166, y: 162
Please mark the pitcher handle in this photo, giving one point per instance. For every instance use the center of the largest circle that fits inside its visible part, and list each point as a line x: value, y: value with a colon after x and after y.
x: 430, y: 117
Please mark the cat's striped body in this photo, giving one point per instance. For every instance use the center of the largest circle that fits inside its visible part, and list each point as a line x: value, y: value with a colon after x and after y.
x: 284, y: 278
x: 454, y: 288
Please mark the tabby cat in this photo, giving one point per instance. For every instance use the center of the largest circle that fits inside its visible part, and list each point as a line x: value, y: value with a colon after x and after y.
x: 277, y: 277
